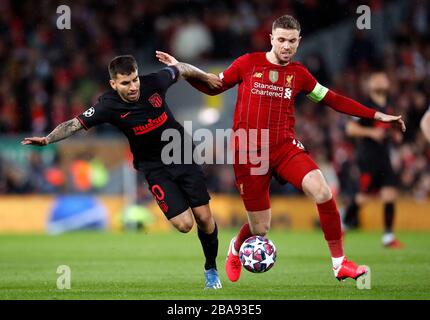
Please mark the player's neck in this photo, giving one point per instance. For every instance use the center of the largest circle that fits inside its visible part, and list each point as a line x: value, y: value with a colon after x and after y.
x: 379, y: 100
x: 271, y: 57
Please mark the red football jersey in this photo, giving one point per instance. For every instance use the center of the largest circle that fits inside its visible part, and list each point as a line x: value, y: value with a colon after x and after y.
x: 266, y: 94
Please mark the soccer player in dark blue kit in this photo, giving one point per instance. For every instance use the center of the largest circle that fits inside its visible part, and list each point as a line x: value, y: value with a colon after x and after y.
x: 136, y: 105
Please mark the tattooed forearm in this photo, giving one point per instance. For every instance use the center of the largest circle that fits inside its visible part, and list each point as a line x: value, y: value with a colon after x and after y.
x: 64, y: 130
x: 189, y: 71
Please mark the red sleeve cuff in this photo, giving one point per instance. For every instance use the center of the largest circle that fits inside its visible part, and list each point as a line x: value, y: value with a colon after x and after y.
x: 82, y: 122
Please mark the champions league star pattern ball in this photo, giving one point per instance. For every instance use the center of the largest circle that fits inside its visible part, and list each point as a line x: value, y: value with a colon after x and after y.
x: 257, y: 254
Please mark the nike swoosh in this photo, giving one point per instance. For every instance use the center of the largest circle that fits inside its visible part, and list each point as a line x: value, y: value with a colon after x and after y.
x: 125, y: 115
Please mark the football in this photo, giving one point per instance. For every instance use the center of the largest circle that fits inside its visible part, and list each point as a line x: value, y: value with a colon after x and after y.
x: 257, y: 254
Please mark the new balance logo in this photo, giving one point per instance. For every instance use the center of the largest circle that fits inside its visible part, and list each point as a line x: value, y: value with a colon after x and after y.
x: 298, y: 144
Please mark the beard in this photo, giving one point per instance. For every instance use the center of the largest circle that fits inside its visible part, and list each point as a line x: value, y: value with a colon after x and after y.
x: 129, y: 98
x: 284, y: 58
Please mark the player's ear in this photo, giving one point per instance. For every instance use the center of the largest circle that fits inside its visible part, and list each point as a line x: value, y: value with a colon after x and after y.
x: 112, y: 84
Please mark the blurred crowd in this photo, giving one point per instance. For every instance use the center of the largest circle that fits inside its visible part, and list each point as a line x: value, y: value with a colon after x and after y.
x: 48, y: 75
x: 406, y: 60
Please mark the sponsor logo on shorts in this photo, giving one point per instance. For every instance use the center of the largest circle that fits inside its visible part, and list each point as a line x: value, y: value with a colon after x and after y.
x: 163, y: 206
x: 159, y: 195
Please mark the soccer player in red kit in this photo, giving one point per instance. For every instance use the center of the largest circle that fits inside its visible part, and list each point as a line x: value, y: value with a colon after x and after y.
x: 268, y: 84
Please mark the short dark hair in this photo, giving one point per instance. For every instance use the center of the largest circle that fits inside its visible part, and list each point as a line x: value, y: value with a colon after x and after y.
x: 286, y: 22
x: 125, y: 64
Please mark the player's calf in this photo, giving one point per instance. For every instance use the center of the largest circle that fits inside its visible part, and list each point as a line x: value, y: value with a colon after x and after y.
x: 260, y: 229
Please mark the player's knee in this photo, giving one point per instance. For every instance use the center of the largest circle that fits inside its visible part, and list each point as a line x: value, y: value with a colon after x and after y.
x: 184, y: 227
x: 324, y: 194
x: 183, y: 222
x: 204, y: 220
x: 207, y: 225
x: 315, y: 186
x: 319, y: 192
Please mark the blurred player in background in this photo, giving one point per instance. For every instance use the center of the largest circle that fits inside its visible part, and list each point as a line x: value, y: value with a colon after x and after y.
x: 268, y: 84
x: 425, y: 124
x: 373, y: 158
x: 137, y: 106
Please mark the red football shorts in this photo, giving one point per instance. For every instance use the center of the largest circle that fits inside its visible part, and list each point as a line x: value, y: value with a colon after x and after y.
x: 288, y: 162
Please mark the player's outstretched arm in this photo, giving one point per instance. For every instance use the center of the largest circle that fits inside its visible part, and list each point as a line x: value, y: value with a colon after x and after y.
x: 349, y: 106
x: 62, y: 131
x: 206, y: 82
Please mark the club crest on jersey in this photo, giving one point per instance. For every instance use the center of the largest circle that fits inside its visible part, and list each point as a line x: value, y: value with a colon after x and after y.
x: 289, y: 80
x: 156, y: 100
x: 273, y: 76
x: 89, y: 112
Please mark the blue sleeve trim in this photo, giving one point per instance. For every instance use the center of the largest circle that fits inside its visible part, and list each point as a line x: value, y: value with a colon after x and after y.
x: 174, y: 72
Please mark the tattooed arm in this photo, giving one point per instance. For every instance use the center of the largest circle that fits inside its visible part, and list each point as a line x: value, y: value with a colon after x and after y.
x: 190, y: 72
x: 62, y: 131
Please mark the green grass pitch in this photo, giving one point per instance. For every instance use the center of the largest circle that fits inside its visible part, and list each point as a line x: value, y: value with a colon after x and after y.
x: 170, y: 266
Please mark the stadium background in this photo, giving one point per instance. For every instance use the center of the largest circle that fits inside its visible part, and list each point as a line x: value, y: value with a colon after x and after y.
x: 48, y: 75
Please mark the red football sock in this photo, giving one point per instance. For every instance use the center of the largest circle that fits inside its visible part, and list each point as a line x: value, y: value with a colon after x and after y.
x: 244, y: 233
x: 330, y: 224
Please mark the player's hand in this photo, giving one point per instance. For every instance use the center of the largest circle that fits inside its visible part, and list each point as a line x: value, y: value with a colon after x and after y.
x: 391, y: 119
x: 166, y: 58
x: 213, y: 81
x: 36, y: 141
